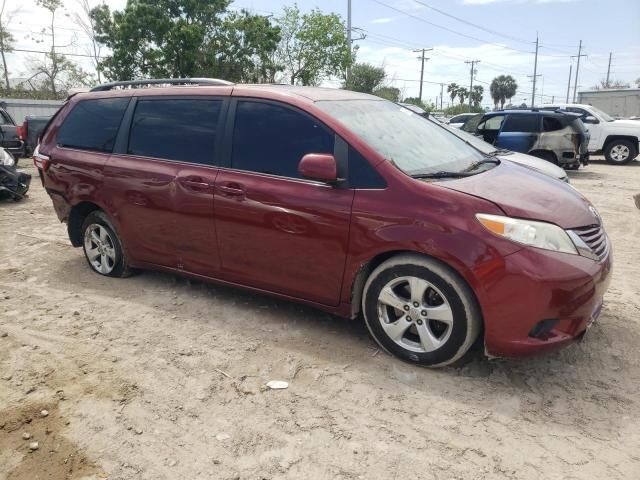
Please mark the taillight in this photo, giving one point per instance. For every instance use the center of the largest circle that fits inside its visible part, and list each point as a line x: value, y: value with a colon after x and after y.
x: 21, y: 130
x: 41, y: 161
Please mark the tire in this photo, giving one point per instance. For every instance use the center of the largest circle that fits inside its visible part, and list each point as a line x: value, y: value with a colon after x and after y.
x: 545, y: 155
x: 620, y: 152
x: 441, y: 337
x: 102, y: 247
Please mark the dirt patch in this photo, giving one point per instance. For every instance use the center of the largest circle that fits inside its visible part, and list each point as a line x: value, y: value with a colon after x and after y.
x: 32, y: 446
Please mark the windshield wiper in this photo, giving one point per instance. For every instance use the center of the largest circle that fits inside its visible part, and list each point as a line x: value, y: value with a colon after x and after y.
x: 442, y: 174
x: 476, y: 165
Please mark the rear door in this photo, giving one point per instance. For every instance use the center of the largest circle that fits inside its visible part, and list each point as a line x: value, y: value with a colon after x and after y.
x: 519, y: 132
x: 162, y: 177
x: 489, y: 128
x: 276, y: 230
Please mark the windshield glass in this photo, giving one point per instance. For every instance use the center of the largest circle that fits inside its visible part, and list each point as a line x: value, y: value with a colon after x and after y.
x: 600, y: 115
x: 414, y: 145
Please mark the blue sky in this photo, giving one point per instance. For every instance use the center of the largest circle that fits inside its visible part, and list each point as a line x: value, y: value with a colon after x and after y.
x: 503, y: 44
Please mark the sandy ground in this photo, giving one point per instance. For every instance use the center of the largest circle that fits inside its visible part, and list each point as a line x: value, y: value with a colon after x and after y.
x: 157, y: 377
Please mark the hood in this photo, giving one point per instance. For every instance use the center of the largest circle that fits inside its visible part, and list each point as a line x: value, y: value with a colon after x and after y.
x: 630, y: 124
x: 542, y: 166
x: 523, y: 193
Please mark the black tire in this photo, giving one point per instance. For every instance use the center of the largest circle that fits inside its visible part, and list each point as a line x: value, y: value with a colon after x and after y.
x: 466, y: 317
x: 545, y: 155
x: 613, y: 152
x: 118, y: 267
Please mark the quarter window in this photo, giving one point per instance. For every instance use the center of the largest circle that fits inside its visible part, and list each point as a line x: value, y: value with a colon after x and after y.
x: 521, y: 123
x: 175, y: 129
x: 272, y: 139
x: 550, y: 124
x: 93, y: 124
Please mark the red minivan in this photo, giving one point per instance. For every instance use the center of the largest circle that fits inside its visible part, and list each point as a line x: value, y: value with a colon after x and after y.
x: 340, y: 200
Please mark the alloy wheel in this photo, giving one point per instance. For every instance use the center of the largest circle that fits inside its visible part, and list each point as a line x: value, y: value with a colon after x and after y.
x: 99, y: 248
x: 619, y: 153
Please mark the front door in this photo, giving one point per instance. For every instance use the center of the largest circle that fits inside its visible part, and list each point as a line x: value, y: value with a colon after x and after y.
x: 519, y: 132
x: 277, y: 231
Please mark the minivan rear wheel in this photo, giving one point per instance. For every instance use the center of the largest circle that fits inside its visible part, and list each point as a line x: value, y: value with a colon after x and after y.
x: 420, y: 311
x: 102, y: 246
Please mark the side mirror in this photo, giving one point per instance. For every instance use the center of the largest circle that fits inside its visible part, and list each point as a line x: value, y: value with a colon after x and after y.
x: 590, y: 119
x: 319, y: 166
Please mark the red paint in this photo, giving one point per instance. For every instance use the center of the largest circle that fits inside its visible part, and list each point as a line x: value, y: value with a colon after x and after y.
x: 320, y: 167
x: 306, y: 240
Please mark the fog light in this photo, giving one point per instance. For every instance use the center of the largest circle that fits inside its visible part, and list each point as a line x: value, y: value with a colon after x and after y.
x: 543, y: 327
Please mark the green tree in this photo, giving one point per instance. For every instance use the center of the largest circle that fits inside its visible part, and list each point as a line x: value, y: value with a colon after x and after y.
x: 502, y: 87
x: 452, y: 90
x: 365, y: 78
x: 477, y: 95
x: 462, y: 94
x: 313, y: 46
x: 388, y: 93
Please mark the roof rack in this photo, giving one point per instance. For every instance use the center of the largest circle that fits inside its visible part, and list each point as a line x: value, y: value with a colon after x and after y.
x: 161, y: 81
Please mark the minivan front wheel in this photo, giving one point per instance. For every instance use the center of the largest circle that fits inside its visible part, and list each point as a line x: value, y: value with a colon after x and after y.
x: 102, y: 247
x: 420, y: 311
x: 620, y: 152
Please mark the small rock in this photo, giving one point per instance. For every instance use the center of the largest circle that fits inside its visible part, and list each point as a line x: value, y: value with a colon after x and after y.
x: 138, y: 431
x: 216, y: 461
x: 172, y: 463
x: 7, y: 377
x: 221, y: 437
x: 76, y: 313
x: 277, y: 384
x: 33, y: 446
x: 4, y: 334
x: 30, y: 390
x: 26, y: 436
x: 44, y: 413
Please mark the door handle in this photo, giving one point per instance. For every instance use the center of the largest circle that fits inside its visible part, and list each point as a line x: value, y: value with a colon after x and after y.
x: 195, y: 183
x: 231, y: 190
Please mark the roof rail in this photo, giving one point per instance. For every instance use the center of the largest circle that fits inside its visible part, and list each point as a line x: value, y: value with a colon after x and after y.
x: 161, y: 81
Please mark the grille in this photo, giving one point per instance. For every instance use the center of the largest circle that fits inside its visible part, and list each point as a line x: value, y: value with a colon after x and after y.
x: 595, y: 238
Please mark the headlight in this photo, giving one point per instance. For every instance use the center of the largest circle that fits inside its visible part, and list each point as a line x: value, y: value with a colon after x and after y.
x: 6, y: 159
x: 536, y: 234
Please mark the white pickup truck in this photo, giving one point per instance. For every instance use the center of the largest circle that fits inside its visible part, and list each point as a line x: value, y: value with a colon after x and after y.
x: 616, y: 139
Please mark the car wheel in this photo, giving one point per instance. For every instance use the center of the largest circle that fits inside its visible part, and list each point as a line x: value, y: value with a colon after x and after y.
x: 420, y: 311
x: 102, y: 246
x: 620, y: 152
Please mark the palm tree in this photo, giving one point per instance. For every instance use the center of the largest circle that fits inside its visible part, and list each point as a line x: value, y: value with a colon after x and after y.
x: 503, y: 87
x: 462, y: 94
x: 477, y: 95
x: 452, y: 90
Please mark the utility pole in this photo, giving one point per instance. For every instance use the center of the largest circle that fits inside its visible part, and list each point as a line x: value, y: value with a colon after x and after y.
x: 535, y: 74
x: 473, y: 65
x: 569, y: 83
x: 609, y: 69
x: 349, y: 40
x: 441, y: 91
x: 423, y: 59
x: 575, y: 84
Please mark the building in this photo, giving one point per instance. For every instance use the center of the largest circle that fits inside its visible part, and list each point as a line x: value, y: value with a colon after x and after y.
x: 618, y: 102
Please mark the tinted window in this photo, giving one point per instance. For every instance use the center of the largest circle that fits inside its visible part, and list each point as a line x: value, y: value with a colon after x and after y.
x: 471, y: 125
x: 492, y: 123
x: 551, y: 124
x: 4, y: 118
x: 362, y: 174
x: 182, y: 130
x: 273, y: 139
x: 521, y: 123
x: 93, y: 124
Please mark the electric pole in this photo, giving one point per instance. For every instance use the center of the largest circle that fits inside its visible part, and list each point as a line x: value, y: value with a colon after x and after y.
x: 535, y: 74
x: 423, y: 59
x: 349, y: 40
x: 575, y: 84
x: 441, y: 90
x: 473, y: 65
x: 569, y: 83
x: 609, y: 69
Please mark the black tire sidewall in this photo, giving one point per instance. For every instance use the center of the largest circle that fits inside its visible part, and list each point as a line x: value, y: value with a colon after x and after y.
x: 460, y: 325
x: 633, y: 151
x: 100, y: 218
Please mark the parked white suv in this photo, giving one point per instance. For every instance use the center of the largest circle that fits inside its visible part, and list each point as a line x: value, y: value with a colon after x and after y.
x: 616, y: 139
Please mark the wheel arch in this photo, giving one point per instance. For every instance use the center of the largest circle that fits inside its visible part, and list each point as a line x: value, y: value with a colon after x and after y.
x: 77, y: 215
x: 612, y: 138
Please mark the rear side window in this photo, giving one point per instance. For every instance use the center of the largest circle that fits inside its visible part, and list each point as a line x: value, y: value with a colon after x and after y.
x: 175, y: 129
x: 93, y: 124
x: 521, y: 123
x: 272, y: 139
x: 551, y: 124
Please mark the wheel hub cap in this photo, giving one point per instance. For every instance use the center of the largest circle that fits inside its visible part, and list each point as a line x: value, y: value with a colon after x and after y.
x: 99, y: 248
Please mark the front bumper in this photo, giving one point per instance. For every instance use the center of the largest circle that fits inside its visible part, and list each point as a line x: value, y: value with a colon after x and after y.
x: 532, y: 286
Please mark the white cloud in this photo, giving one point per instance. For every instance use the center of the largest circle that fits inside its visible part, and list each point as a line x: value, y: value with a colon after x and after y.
x: 383, y: 20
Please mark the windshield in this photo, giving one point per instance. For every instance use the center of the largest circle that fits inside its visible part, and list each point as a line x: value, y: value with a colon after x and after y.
x: 600, y: 115
x: 414, y: 145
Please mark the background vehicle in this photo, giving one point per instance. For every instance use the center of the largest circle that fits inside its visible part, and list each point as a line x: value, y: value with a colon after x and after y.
x: 459, y: 120
x: 30, y: 131
x: 556, y: 137
x: 9, y: 136
x: 13, y: 184
x: 341, y: 200
x: 617, y: 140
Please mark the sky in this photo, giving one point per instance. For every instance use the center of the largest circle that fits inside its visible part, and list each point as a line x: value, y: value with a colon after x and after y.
x: 501, y: 34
